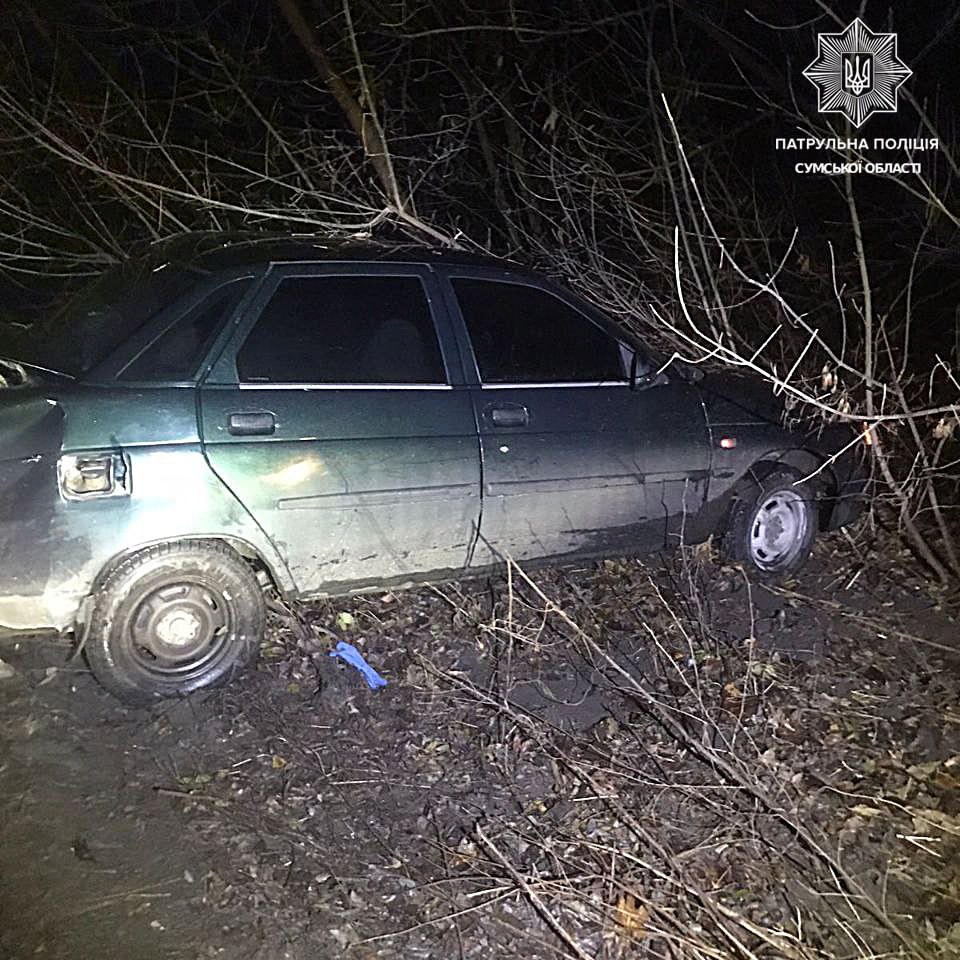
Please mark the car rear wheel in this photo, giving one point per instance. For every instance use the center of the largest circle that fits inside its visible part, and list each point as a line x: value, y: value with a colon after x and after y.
x: 773, y: 524
x: 175, y: 618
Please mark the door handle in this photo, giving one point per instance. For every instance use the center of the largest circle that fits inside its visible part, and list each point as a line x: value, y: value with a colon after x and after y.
x: 508, y: 415
x: 251, y: 424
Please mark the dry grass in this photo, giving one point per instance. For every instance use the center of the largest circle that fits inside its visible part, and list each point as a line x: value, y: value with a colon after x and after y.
x: 619, y: 761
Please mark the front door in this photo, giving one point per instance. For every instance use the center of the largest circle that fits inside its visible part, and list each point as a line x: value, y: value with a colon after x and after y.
x: 574, y: 460
x: 338, y: 420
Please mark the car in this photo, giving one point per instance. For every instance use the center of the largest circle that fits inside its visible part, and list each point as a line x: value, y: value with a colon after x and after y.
x: 227, y: 415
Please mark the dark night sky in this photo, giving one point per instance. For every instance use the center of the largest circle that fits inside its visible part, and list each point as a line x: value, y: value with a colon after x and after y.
x: 732, y: 72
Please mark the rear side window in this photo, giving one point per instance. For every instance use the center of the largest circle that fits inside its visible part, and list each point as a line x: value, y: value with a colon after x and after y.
x: 522, y: 334
x: 344, y: 330
x: 178, y: 351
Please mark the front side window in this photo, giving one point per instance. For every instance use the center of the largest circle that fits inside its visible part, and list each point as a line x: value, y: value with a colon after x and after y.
x: 344, y: 330
x: 522, y: 334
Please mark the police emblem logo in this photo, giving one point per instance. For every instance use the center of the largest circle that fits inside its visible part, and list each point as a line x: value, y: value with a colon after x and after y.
x: 857, y: 73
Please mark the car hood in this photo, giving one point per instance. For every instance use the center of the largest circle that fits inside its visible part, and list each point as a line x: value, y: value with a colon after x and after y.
x: 737, y: 398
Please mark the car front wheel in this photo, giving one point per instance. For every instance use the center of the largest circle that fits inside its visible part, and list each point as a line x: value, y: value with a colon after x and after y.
x: 772, y: 524
x: 174, y: 618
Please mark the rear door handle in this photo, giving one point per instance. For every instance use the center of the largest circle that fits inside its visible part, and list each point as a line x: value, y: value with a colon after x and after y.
x: 252, y: 424
x: 508, y: 415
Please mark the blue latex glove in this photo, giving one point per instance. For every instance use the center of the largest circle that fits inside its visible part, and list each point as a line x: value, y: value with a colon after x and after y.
x: 349, y: 653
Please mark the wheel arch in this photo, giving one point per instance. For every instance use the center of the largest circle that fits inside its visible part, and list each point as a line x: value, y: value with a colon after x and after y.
x: 276, y: 576
x: 808, y: 464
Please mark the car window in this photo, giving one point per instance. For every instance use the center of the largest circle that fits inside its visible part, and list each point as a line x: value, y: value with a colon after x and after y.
x: 349, y: 330
x: 522, y: 334
x: 177, y: 352
x: 97, y: 319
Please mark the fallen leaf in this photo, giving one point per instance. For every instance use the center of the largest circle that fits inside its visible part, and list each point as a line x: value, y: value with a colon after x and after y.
x: 924, y: 820
x: 631, y: 917
x: 766, y: 671
x: 466, y: 851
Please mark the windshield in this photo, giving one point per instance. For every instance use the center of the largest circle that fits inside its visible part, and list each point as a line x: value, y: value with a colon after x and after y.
x: 105, y: 312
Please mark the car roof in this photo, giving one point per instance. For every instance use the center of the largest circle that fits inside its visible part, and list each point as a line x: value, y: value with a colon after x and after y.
x: 220, y: 251
x: 216, y: 251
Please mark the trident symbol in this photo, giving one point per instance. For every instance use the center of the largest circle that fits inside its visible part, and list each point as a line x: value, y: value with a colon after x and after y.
x: 856, y: 74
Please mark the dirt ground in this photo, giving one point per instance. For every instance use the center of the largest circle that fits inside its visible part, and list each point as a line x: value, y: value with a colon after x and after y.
x: 624, y: 759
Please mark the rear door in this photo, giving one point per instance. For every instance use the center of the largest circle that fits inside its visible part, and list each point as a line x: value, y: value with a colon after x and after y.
x: 574, y: 460
x: 338, y: 416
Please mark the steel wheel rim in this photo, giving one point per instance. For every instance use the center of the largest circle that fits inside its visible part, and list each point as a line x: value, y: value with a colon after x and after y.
x: 179, y: 629
x: 779, y: 529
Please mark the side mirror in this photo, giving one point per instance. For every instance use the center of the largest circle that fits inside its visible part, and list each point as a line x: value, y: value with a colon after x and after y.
x: 648, y: 380
x: 643, y: 381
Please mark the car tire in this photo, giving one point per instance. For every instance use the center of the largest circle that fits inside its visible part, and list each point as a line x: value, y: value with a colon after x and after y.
x: 772, y: 525
x: 175, y: 618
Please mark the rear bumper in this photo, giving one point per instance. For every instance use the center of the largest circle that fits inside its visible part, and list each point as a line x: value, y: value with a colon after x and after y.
x: 46, y: 564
